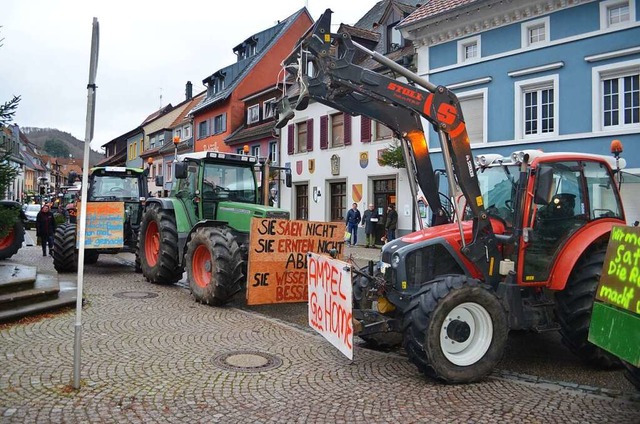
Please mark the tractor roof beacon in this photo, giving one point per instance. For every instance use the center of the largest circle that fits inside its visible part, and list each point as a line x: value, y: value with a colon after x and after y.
x: 524, y: 253
x: 106, y: 184
x: 204, y: 224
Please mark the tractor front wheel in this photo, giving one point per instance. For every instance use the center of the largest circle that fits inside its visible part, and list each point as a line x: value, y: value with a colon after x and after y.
x: 573, y: 310
x: 65, y: 255
x: 159, y: 246
x: 214, y: 265
x: 455, y: 329
x: 12, y: 242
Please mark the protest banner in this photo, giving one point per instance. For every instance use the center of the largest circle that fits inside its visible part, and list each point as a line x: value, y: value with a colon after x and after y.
x: 277, y: 257
x: 330, y: 303
x: 104, y: 227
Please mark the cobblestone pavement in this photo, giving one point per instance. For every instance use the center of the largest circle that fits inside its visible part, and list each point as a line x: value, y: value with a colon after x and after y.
x: 151, y: 354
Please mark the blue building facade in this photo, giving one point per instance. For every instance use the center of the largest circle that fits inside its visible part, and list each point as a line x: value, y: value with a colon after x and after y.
x: 555, y: 76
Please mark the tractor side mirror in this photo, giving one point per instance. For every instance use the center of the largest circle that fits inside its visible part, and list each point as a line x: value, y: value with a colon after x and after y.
x: 160, y: 180
x: 181, y: 170
x: 287, y: 179
x: 544, y: 186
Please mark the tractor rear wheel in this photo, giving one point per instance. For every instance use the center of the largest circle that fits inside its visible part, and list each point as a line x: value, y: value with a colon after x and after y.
x: 159, y: 246
x: 573, y: 310
x: 455, y: 329
x: 65, y: 255
x: 214, y: 265
x: 12, y: 242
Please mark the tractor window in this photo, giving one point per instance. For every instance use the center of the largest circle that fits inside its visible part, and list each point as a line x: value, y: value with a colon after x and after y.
x: 114, y: 188
x: 602, y: 193
x: 228, y: 182
x: 498, y: 190
x: 185, y: 187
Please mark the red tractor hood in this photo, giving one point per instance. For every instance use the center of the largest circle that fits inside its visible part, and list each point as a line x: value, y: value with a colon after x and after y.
x: 449, y: 232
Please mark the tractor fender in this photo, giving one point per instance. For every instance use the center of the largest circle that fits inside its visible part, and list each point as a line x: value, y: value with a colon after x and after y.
x: 164, y: 202
x: 575, y: 247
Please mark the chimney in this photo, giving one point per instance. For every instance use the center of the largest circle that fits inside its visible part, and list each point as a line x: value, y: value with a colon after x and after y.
x: 189, y: 90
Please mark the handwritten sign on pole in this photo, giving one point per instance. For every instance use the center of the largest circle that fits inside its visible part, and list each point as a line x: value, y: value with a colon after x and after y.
x: 277, y: 270
x: 330, y: 302
x: 105, y: 225
x: 620, y: 281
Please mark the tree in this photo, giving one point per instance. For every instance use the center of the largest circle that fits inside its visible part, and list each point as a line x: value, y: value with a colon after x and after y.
x: 56, y: 148
x: 392, y: 156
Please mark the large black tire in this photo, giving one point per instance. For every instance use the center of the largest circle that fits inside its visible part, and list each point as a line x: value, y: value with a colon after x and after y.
x: 159, y: 246
x: 91, y: 256
x: 65, y: 255
x: 455, y: 329
x: 12, y: 242
x: 214, y: 265
x: 633, y: 374
x: 573, y: 310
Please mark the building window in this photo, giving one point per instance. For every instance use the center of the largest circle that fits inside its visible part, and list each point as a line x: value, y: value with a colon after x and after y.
x: 621, y: 101
x: 240, y: 151
x: 217, y: 85
x: 337, y: 130
x: 273, y: 152
x: 302, y: 201
x: 469, y: 49
x: 394, y: 37
x: 536, y: 32
x: 169, y: 165
x: 474, y: 105
x: 220, y: 124
x: 537, y: 107
x: 178, y: 133
x: 141, y: 146
x: 301, y: 137
x: 338, y: 201
x: 253, y: 114
x: 187, y: 132
x: 381, y: 131
x: 269, y: 108
x: 203, y: 129
x: 255, y: 150
x: 616, y: 13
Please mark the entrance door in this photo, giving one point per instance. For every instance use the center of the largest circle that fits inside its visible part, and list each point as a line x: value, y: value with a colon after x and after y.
x: 384, y: 194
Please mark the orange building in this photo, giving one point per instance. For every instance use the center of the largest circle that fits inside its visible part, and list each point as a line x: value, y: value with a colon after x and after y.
x: 222, y: 110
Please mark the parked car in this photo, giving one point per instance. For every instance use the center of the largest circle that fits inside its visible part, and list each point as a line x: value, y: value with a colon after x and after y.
x: 31, y: 211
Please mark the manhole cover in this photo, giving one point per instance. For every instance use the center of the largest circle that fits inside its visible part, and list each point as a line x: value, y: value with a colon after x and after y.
x: 135, y: 295
x: 247, y: 361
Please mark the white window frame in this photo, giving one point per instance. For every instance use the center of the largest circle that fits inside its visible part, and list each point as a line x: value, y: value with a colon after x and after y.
x: 528, y: 26
x: 253, y: 114
x: 269, y: 108
x: 484, y: 94
x: 186, y: 130
x: 607, y: 5
x: 520, y: 87
x: 330, y: 135
x: 255, y: 150
x: 462, y: 47
x: 600, y: 73
x: 273, y: 152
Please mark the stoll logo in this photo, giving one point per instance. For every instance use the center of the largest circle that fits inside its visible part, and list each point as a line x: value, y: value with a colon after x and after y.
x: 407, y: 92
x: 470, y: 165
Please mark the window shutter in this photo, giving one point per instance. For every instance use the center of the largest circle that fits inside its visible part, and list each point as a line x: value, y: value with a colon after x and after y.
x: 290, y: 135
x: 324, y: 132
x: 310, y: 135
x: 347, y: 129
x: 224, y: 123
x: 365, y: 129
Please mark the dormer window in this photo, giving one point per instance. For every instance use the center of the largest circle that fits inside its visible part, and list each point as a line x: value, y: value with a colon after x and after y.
x: 216, y: 83
x: 246, y: 49
x: 394, y: 38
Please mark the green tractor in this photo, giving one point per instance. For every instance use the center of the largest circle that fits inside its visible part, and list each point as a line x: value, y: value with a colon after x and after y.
x: 204, y: 224
x: 106, y: 184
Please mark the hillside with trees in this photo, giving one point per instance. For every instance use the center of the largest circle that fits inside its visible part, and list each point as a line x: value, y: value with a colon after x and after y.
x: 53, y: 142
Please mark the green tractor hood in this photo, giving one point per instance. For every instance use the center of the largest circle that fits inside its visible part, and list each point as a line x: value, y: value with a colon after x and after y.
x: 239, y: 215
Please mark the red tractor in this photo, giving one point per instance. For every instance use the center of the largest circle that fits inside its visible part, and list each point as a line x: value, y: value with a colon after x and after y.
x: 524, y: 251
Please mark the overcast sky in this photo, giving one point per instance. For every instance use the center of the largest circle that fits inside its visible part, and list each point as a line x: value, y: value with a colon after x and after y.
x: 148, y: 49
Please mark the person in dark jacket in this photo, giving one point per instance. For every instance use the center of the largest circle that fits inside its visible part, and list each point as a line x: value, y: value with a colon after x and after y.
x: 353, y: 219
x: 370, y: 219
x: 391, y: 223
x: 45, y: 229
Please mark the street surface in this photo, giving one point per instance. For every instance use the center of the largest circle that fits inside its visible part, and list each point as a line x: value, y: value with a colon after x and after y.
x: 151, y: 354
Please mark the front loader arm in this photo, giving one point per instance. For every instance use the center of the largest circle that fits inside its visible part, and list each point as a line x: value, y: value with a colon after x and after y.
x: 334, y: 79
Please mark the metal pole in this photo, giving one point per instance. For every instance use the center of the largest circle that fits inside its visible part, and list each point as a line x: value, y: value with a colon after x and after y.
x: 88, y: 136
x: 411, y: 175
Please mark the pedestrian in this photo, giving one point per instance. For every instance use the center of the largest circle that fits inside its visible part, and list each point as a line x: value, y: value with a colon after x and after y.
x: 45, y: 229
x: 391, y: 223
x: 273, y: 197
x: 369, y: 221
x: 353, y: 219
